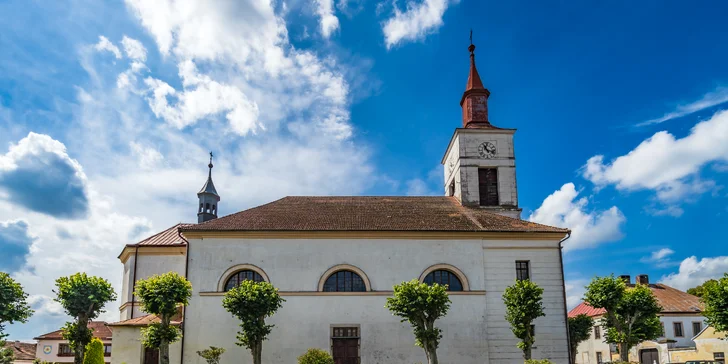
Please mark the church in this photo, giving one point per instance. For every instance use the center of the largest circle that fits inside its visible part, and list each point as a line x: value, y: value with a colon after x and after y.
x: 335, y: 260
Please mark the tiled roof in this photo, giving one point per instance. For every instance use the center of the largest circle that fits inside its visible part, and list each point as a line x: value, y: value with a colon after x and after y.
x: 369, y: 214
x: 146, y: 320
x: 672, y: 301
x: 21, y: 351
x: 100, y: 330
x: 165, y: 238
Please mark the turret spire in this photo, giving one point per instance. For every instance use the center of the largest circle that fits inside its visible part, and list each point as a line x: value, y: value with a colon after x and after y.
x: 475, y: 98
x: 208, y: 198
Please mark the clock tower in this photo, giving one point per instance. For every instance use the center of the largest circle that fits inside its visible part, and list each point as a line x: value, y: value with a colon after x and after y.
x: 480, y: 163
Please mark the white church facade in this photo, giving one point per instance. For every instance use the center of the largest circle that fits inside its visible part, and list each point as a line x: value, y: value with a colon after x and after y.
x: 335, y: 260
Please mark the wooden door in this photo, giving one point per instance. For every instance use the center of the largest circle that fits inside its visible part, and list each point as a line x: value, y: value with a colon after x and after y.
x: 346, y: 351
x: 151, y: 356
x: 649, y: 356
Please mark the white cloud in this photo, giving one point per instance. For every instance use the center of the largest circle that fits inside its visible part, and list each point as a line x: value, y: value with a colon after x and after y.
x: 105, y: 44
x: 148, y: 157
x: 575, y: 289
x: 134, y: 49
x: 665, y: 164
x: 588, y: 228
x: 713, y: 98
x: 659, y: 258
x: 693, y: 272
x: 415, y: 23
x: 328, y: 22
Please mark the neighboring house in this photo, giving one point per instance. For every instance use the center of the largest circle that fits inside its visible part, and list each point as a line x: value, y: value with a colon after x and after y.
x: 681, y: 319
x: 24, y: 353
x: 336, y: 259
x: 53, y: 348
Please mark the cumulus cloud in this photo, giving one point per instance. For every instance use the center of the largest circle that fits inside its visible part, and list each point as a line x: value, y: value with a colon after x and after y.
x: 38, y: 174
x: 148, y: 157
x: 575, y: 289
x: 588, y: 228
x: 693, y: 272
x: 328, y: 22
x: 666, y: 165
x: 15, y: 244
x: 134, y: 49
x: 713, y: 98
x: 416, y: 22
x: 105, y: 44
x: 659, y: 258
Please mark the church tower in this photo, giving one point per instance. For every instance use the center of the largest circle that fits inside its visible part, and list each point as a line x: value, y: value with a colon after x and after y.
x: 480, y: 164
x: 208, y: 198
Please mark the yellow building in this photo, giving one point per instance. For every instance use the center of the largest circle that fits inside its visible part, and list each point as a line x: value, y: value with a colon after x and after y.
x: 709, y: 345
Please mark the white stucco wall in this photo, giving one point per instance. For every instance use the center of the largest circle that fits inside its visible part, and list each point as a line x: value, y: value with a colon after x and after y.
x: 53, y: 356
x: 128, y: 348
x: 149, y: 265
x: 586, y: 351
x: 687, y: 323
x: 475, y: 330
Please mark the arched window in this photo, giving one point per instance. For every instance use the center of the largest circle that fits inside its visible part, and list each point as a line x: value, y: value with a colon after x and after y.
x: 344, y: 281
x: 442, y: 276
x: 243, y: 275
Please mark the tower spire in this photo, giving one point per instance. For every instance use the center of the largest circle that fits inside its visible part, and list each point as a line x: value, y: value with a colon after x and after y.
x: 475, y: 98
x: 208, y: 198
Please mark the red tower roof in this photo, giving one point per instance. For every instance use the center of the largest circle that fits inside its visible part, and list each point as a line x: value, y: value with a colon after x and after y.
x: 475, y: 98
x: 474, y: 82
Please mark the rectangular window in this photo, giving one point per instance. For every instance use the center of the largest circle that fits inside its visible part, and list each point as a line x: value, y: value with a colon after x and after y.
x: 599, y: 358
x: 719, y: 357
x: 597, y: 332
x: 64, y: 350
x: 662, y: 326
x: 522, y: 272
x: 677, y: 327
x: 697, y: 327
x: 488, y: 186
x: 107, y: 349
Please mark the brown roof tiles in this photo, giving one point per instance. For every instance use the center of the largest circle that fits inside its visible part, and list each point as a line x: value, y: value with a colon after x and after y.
x: 672, y: 301
x: 167, y: 237
x: 100, y: 330
x: 22, y: 351
x: 369, y: 213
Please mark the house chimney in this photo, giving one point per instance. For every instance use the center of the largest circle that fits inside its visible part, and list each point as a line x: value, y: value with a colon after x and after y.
x: 626, y: 278
x: 643, y: 279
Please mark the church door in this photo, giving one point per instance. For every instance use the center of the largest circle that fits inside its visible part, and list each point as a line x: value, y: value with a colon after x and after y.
x: 151, y: 356
x: 345, y: 345
x: 649, y: 356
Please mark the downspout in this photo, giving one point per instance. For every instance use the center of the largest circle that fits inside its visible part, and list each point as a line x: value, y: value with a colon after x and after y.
x: 133, y: 284
x: 566, y: 314
x: 184, y: 308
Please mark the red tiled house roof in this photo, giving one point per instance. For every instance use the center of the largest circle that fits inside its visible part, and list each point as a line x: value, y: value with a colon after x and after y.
x: 100, y: 330
x: 146, y: 320
x: 369, y: 213
x: 22, y: 351
x: 672, y: 301
x: 168, y: 237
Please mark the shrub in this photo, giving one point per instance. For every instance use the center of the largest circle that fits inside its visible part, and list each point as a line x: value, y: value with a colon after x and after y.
x: 537, y: 361
x: 211, y: 355
x: 94, y: 352
x: 315, y: 356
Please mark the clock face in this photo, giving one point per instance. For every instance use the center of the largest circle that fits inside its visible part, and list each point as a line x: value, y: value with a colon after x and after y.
x: 486, y: 150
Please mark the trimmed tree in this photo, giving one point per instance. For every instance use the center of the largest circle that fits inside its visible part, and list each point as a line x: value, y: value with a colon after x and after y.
x: 94, y: 352
x: 715, y: 299
x: 631, y: 313
x: 13, y: 308
x: 251, y: 302
x: 580, y: 327
x: 700, y: 290
x: 316, y: 356
x: 162, y: 295
x: 83, y: 297
x: 421, y: 305
x: 524, y: 304
x: 211, y: 355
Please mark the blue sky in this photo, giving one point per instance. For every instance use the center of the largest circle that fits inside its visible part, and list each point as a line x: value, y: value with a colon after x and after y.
x: 108, y: 110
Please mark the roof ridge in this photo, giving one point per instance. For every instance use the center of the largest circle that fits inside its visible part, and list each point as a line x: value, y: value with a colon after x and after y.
x: 157, y: 234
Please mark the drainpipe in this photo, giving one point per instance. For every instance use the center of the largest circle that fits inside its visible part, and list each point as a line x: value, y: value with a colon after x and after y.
x: 133, y: 279
x: 184, y: 308
x: 563, y: 279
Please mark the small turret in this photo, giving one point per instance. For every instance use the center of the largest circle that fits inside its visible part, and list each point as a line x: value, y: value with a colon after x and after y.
x: 208, y: 197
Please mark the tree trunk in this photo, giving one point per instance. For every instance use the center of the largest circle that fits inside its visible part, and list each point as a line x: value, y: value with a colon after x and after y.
x: 80, y: 349
x: 432, y: 358
x: 257, y: 353
x: 527, y: 353
x: 573, y: 354
x: 163, y: 343
x: 623, y: 352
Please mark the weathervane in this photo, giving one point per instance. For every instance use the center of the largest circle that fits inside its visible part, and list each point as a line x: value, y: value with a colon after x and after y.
x: 471, y: 48
x: 210, y: 165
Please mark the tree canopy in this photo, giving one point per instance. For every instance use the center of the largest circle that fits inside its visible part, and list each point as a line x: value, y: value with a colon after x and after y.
x: 524, y: 304
x: 13, y: 303
x: 700, y: 289
x: 631, y: 313
x: 715, y: 299
x: 580, y: 327
x: 251, y: 302
x: 421, y: 305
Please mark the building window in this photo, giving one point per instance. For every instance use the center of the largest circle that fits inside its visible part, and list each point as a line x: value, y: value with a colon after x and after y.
x: 107, y: 349
x: 64, y: 350
x: 451, y: 189
x: 444, y: 277
x: 243, y: 275
x: 677, y: 327
x: 597, y: 332
x: 599, y: 358
x: 697, y: 327
x: 662, y: 327
x: 522, y: 271
x: 488, y: 186
x: 344, y: 281
x: 345, y: 345
x: 719, y: 357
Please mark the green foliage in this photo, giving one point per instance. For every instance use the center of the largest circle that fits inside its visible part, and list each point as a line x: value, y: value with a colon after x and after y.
x: 251, y: 302
x: 715, y: 299
x: 524, y: 304
x: 700, y: 290
x: 211, y: 355
x: 38, y: 361
x: 579, y: 330
x: 154, y: 334
x: 76, y: 336
x: 163, y: 294
x: 7, y: 356
x: 94, y: 352
x: 421, y: 305
x: 631, y: 313
x: 535, y: 361
x: 315, y: 356
x: 13, y: 303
